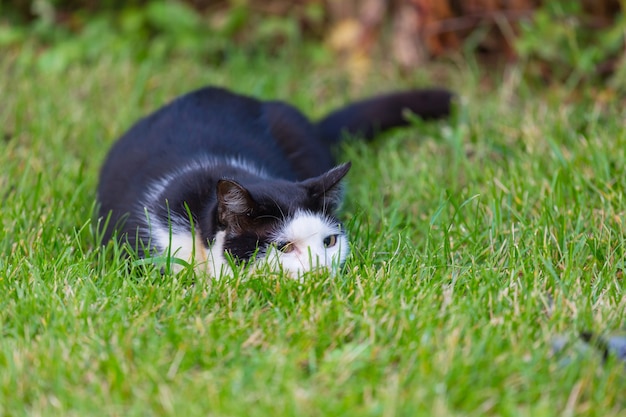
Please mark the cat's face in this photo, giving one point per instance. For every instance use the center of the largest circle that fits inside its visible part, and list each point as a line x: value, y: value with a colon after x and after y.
x: 290, y: 227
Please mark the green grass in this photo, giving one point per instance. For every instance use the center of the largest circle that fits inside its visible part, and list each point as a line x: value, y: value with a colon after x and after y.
x: 475, y: 241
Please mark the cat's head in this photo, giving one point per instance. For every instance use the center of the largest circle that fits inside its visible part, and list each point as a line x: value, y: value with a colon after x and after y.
x: 289, y: 226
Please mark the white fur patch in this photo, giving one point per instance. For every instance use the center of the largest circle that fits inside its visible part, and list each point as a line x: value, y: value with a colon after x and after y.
x: 305, y: 233
x: 182, y: 245
x: 216, y: 265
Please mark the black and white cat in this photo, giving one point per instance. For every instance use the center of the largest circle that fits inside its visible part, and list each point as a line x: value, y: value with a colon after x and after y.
x: 215, y: 179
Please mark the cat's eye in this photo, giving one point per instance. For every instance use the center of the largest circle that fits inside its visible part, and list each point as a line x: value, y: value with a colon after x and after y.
x: 330, y: 241
x: 285, y: 247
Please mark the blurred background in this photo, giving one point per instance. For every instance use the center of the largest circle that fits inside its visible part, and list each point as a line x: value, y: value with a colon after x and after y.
x: 569, y: 42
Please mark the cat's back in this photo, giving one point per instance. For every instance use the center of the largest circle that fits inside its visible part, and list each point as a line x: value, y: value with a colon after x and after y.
x: 207, y: 123
x: 202, y: 126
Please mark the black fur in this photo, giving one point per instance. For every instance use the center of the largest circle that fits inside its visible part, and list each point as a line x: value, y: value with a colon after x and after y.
x: 213, y: 124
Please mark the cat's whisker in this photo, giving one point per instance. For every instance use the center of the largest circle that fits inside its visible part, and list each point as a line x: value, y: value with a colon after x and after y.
x: 268, y: 216
x: 282, y: 214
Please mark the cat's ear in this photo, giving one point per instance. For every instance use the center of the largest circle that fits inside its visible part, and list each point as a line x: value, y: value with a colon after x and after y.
x: 326, y: 188
x: 234, y: 203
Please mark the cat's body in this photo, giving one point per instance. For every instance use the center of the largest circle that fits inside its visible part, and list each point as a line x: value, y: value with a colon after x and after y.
x: 214, y: 172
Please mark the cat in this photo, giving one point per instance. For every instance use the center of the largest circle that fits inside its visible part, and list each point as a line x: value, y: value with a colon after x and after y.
x: 218, y: 179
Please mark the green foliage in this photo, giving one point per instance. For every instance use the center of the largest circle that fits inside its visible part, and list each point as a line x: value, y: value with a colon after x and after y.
x: 153, y: 31
x: 558, y: 44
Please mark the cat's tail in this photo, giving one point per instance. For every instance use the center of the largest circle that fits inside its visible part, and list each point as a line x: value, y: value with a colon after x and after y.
x: 368, y: 117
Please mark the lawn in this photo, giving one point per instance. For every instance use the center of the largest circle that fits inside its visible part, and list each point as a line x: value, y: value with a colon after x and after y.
x: 476, y: 242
